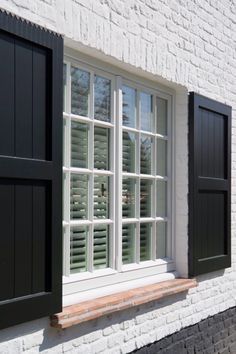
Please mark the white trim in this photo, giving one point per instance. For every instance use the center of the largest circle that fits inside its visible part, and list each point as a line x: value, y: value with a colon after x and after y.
x: 118, y: 180
x: 163, y: 90
x: 90, y: 294
x: 117, y: 272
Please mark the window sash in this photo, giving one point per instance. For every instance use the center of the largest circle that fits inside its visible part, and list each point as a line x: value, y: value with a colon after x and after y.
x: 116, y: 246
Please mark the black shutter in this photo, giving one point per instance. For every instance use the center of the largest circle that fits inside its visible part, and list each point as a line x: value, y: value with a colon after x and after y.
x: 209, y: 185
x: 31, y: 60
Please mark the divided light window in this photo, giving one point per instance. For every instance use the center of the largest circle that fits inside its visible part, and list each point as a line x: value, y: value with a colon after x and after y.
x: 144, y: 177
x: 95, y: 189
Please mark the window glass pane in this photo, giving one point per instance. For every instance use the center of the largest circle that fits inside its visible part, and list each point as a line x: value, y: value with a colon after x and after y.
x: 101, y: 197
x: 101, y: 148
x: 80, y: 82
x: 161, y: 157
x: 161, y: 116
x: 79, y: 144
x: 79, y: 197
x: 146, y: 111
x: 102, y: 99
x: 129, y: 152
x: 145, y: 154
x: 64, y: 87
x: 128, y: 243
x: 161, y: 239
x: 161, y: 198
x: 145, y: 198
x: 128, y: 197
x: 78, y: 249
x: 129, y: 106
x: 145, y: 241
x: 101, y: 246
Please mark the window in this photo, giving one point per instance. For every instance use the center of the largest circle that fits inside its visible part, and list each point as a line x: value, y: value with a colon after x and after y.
x: 117, y: 177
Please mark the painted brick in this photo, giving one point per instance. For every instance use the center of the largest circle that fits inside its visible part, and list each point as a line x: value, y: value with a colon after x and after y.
x: 190, y: 46
x: 196, y: 339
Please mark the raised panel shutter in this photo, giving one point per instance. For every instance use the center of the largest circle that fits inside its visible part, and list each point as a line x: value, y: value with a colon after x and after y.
x: 30, y: 171
x: 209, y: 185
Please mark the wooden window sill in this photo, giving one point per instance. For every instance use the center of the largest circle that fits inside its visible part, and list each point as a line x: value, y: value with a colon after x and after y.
x: 92, y: 309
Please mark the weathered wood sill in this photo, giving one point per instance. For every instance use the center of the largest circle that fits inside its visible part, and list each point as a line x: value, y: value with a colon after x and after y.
x: 92, y: 309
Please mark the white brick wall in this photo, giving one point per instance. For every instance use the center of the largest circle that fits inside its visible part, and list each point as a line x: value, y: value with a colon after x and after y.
x: 191, y: 43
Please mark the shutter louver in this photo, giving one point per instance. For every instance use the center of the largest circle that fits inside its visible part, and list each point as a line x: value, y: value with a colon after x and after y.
x: 78, y: 249
x: 145, y: 242
x: 128, y: 198
x: 145, y: 198
x: 100, y: 246
x: 209, y: 185
x: 128, y: 152
x: 79, y: 145
x: 101, y: 200
x: 145, y: 154
x: 128, y: 243
x: 101, y: 148
x: 78, y: 196
x: 31, y: 86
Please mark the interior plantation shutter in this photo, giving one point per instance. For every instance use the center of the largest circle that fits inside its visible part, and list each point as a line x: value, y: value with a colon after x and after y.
x: 30, y: 171
x: 79, y: 198
x: 209, y: 185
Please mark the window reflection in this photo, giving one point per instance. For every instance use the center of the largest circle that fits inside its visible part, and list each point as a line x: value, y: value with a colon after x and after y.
x: 80, y: 82
x: 146, y: 111
x: 102, y: 98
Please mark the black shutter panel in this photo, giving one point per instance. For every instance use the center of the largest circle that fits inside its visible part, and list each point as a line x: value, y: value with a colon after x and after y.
x: 31, y: 64
x: 209, y: 185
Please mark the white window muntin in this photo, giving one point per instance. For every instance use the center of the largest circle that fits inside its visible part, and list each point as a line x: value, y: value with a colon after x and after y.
x: 90, y: 171
x: 68, y: 116
x: 153, y: 176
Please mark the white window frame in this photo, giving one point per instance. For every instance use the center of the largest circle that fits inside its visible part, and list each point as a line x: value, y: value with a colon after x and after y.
x: 82, y: 282
x: 67, y: 169
x: 153, y: 177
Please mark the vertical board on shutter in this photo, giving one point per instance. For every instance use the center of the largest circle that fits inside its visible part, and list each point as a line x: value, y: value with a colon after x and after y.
x: 7, y: 243
x: 31, y: 64
x: 39, y: 237
x: 23, y: 99
x: 23, y: 239
x: 7, y: 94
x: 40, y: 127
x: 209, y: 185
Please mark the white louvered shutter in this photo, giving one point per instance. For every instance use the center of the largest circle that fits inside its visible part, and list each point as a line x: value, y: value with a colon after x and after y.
x: 78, y: 249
